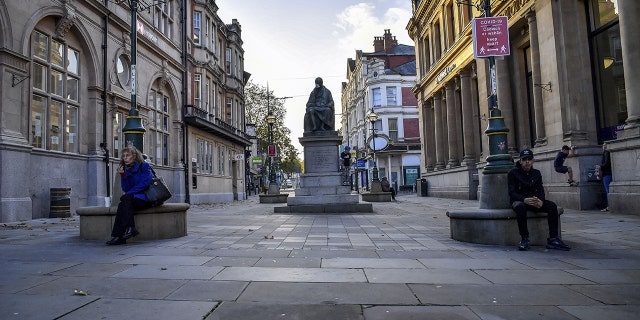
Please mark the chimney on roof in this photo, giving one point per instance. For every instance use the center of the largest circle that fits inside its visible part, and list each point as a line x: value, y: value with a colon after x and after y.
x: 378, y: 44
x: 389, y: 41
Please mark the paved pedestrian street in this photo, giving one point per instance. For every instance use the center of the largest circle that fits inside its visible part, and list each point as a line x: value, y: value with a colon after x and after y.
x: 241, y: 261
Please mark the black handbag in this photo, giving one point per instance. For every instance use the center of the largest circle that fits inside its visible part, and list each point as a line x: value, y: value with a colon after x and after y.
x: 157, y: 193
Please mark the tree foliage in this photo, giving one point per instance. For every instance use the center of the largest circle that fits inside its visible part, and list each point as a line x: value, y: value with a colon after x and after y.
x: 258, y: 102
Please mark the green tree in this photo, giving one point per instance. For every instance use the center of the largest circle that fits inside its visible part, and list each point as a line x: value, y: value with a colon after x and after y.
x: 258, y: 101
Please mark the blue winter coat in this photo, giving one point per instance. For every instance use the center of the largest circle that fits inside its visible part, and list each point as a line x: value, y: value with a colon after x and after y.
x: 136, y: 180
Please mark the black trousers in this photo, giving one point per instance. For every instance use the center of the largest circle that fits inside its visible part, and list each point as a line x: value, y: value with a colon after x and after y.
x: 124, y: 216
x: 521, y: 215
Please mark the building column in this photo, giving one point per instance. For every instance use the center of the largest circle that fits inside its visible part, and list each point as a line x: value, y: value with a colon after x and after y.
x: 505, y: 102
x: 452, y: 132
x: 469, y: 158
x: 475, y: 106
x: 541, y: 138
x: 629, y: 17
x: 429, y: 143
x: 439, y: 130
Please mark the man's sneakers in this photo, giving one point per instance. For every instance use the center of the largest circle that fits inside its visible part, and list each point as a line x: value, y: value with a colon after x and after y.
x: 552, y: 243
x: 572, y: 183
x: 557, y: 244
x: 524, y: 244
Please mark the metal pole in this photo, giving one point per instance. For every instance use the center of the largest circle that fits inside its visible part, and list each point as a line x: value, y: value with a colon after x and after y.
x: 375, y: 165
x: 499, y: 159
x: 133, y: 129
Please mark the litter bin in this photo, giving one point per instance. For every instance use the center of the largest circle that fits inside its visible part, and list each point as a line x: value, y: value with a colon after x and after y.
x: 60, y: 204
x: 423, y: 187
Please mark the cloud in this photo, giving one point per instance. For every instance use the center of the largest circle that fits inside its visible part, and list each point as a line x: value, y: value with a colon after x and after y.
x: 358, y: 24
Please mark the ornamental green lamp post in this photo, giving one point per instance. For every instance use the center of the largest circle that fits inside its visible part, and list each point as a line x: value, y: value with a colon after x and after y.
x: 133, y: 129
x: 499, y: 159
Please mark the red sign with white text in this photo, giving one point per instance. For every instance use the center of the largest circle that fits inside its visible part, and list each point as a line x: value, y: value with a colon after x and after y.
x: 491, y: 37
x: 271, y: 152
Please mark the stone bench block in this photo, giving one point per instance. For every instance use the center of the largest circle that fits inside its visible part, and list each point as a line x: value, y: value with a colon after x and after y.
x: 498, y: 226
x: 377, y: 197
x: 163, y: 222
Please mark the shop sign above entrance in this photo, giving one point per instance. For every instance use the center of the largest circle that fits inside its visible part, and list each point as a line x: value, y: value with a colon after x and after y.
x: 491, y: 37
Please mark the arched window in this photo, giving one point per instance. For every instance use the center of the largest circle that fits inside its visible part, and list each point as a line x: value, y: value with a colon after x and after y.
x: 55, y: 98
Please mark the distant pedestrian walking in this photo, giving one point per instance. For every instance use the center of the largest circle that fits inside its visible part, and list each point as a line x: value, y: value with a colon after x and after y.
x: 559, y: 166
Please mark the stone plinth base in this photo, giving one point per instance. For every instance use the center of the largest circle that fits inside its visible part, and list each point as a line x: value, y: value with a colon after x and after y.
x: 377, y: 196
x: 274, y: 198
x: 498, y: 226
x: 162, y: 222
x: 334, y: 208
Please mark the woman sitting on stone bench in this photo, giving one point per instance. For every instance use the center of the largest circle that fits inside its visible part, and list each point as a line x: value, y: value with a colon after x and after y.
x: 136, y: 177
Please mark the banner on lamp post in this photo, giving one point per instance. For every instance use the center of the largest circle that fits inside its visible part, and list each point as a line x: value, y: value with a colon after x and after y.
x: 271, y: 152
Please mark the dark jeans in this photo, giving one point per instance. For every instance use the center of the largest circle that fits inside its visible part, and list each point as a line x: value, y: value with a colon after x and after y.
x: 124, y: 216
x: 521, y: 215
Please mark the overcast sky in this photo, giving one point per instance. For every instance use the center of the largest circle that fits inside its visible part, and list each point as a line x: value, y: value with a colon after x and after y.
x: 288, y: 43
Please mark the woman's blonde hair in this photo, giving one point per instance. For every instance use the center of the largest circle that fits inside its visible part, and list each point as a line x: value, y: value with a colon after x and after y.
x: 137, y: 155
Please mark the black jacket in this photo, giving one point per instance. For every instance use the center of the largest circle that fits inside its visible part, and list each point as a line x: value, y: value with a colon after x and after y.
x: 524, y: 184
x: 605, y: 164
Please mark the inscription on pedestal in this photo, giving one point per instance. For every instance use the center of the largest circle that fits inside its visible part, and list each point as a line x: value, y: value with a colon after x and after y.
x: 321, y: 159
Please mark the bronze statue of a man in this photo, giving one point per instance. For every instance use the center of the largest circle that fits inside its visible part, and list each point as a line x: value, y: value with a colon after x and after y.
x: 320, y: 109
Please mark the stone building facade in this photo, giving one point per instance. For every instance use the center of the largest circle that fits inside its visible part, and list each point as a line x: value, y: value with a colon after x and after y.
x: 381, y: 82
x: 66, y: 90
x: 570, y: 79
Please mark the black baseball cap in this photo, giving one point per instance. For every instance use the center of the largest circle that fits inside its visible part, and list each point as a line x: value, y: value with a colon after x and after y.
x: 526, y: 153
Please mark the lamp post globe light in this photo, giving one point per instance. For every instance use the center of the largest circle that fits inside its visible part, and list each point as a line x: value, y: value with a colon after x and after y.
x: 373, y: 117
x: 273, y: 185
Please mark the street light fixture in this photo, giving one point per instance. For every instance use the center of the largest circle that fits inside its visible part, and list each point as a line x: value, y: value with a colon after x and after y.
x: 373, y: 117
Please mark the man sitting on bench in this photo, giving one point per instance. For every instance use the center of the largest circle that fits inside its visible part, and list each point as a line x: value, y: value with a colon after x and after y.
x: 527, y: 193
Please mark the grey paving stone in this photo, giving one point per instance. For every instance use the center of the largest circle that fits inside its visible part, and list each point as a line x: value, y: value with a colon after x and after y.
x: 40, y: 307
x: 169, y: 272
x: 523, y: 295
x: 351, y: 263
x: 11, y: 283
x: 522, y: 312
x: 108, y: 287
x: 609, y: 276
x: 289, y: 262
x: 258, y: 311
x: 532, y: 277
x: 611, y: 294
x: 604, y: 264
x: 476, y: 264
x: 603, y: 312
x: 92, y: 270
x: 421, y: 254
x: 208, y: 290
x: 167, y: 260
x: 247, y: 252
x: 419, y: 313
x: 141, y: 309
x: 232, y: 261
x: 328, y: 293
x: 291, y: 274
x: 437, y: 276
x: 333, y: 254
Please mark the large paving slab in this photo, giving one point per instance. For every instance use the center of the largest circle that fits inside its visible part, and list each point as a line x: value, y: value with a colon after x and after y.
x: 242, y: 261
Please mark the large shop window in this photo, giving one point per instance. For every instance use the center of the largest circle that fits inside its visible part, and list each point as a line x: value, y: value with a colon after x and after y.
x: 611, y: 103
x: 55, y: 98
x: 157, y: 141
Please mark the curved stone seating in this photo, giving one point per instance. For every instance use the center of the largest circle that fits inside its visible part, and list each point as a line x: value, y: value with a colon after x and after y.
x: 163, y: 222
x: 498, y: 226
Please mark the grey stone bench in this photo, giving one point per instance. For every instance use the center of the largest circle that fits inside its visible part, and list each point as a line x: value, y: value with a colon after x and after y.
x: 498, y: 226
x: 163, y: 222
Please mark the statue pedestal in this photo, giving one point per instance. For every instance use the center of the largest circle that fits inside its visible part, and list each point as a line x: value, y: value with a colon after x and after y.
x: 321, y: 189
